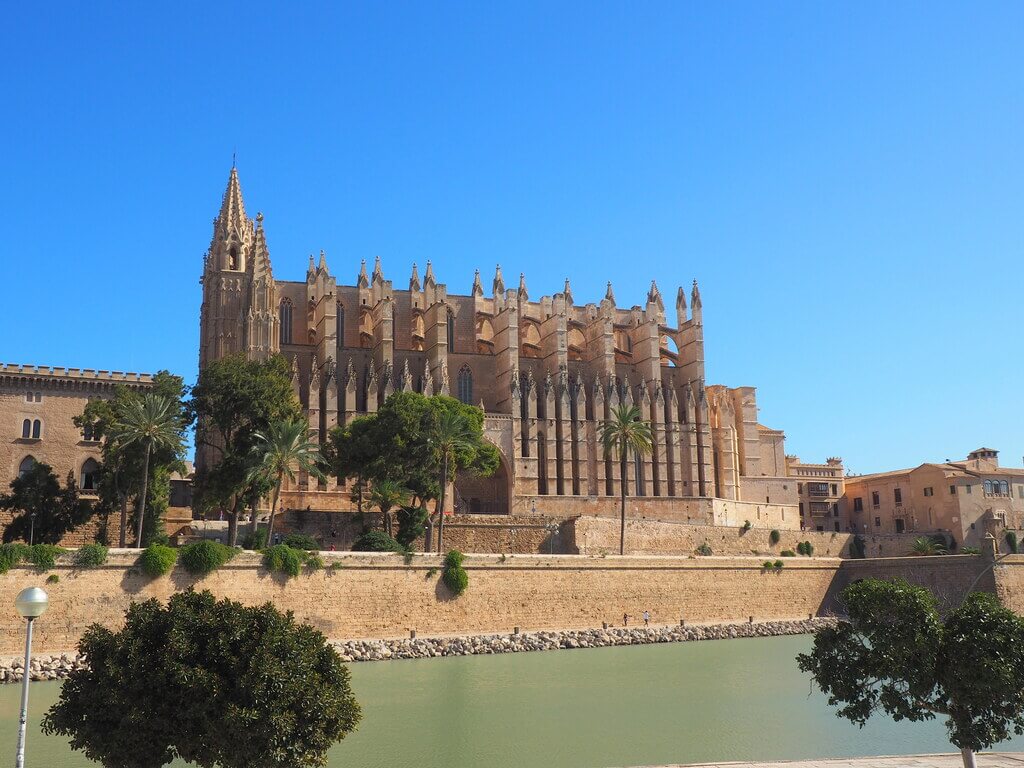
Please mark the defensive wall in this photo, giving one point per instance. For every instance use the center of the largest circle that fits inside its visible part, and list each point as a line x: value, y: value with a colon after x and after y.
x: 382, y: 595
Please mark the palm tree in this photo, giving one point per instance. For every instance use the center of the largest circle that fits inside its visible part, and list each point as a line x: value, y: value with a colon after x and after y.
x: 451, y: 435
x: 386, y: 494
x: 924, y: 545
x: 153, y: 424
x: 625, y: 434
x: 278, y: 452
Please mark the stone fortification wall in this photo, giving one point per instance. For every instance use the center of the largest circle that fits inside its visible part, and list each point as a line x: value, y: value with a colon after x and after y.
x: 594, y: 535
x: 382, y: 595
x: 1008, y: 574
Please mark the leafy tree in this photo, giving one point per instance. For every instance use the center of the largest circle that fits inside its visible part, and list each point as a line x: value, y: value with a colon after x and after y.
x: 625, y: 435
x: 896, y: 654
x: 386, y: 494
x: 279, y: 452
x: 57, y: 510
x: 233, y: 399
x: 122, y: 467
x: 376, y: 541
x: 152, y: 424
x: 207, y: 681
x: 412, y: 522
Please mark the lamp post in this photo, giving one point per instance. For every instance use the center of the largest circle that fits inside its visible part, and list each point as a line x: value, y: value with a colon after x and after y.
x: 30, y: 603
x: 552, y: 529
x: 32, y: 528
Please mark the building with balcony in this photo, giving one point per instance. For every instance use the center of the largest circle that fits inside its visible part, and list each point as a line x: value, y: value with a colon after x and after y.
x: 964, y: 498
x: 819, y: 489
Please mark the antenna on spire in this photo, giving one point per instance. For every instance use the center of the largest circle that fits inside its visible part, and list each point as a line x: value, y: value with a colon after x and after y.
x: 233, y: 155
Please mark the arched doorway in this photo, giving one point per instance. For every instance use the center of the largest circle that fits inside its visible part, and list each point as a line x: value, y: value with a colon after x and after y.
x: 482, y: 495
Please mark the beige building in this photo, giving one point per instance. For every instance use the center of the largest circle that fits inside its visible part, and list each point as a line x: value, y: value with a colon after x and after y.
x: 819, y: 490
x: 966, y: 498
x: 545, y: 369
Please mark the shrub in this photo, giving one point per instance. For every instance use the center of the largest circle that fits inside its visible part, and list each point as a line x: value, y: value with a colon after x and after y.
x: 970, y: 551
x: 203, y: 557
x: 787, y: 553
x: 778, y: 565
x: 767, y: 564
x: 376, y: 541
x: 44, y: 556
x: 301, y: 541
x: 281, y: 558
x: 808, y: 549
x: 91, y: 556
x: 157, y: 559
x: 799, y: 547
x: 412, y: 522
x: 1011, y: 542
x: 314, y: 562
x: 858, y: 547
x: 12, y: 555
x: 704, y: 550
x: 431, y: 573
x: 455, y: 576
x: 255, y: 540
x: 774, y: 536
x: 53, y: 578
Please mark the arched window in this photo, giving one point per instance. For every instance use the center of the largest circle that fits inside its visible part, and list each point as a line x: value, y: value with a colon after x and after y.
x: 286, y: 321
x: 341, y: 327
x: 451, y: 332
x: 233, y: 260
x: 37, y: 429
x: 1004, y: 487
x: 26, y: 466
x: 465, y: 385
x: 26, y: 429
x: 90, y: 475
x: 988, y: 486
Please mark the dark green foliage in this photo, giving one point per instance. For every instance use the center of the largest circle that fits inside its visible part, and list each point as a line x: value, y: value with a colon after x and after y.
x: 779, y: 565
x: 929, y: 545
x: 44, y: 556
x: 858, y: 547
x: 805, y: 548
x: 376, y: 541
x: 12, y: 554
x: 301, y: 541
x: 212, y: 683
x: 53, y: 578
x: 1011, y: 542
x: 281, y: 558
x: 91, y: 556
x: 895, y: 654
x: 314, y: 562
x: 412, y: 522
x: 767, y: 564
x: 57, y: 510
x: 773, y: 537
x: 255, y: 540
x: 454, y: 575
x: 203, y: 557
x: 156, y: 560
x: 787, y: 553
x: 704, y: 550
x: 970, y: 551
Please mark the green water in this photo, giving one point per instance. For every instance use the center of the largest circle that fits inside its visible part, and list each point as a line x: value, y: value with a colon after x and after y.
x: 640, y: 705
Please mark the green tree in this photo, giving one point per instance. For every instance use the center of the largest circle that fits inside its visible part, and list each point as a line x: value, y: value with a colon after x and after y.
x: 386, y: 494
x: 210, y: 682
x: 926, y: 545
x: 121, y: 469
x: 450, y: 435
x: 280, y: 451
x: 56, y: 510
x: 153, y: 424
x: 412, y: 522
x: 233, y: 399
x: 625, y: 435
x: 897, y: 655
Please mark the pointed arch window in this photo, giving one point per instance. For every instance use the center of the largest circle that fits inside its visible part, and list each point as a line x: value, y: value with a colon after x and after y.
x: 26, y: 465
x: 234, y: 262
x: 285, y: 316
x: 90, y: 475
x: 465, y: 385
x: 26, y: 429
x: 451, y: 331
x: 37, y: 429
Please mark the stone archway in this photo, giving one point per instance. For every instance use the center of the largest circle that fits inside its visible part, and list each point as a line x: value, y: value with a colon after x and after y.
x: 482, y: 495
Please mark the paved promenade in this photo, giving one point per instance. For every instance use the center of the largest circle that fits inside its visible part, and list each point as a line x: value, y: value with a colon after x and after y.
x: 985, y: 760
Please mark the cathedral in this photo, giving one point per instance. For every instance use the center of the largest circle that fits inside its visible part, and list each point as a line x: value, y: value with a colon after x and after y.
x: 546, y: 371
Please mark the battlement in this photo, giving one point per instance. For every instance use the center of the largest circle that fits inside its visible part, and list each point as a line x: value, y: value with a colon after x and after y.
x: 89, y: 374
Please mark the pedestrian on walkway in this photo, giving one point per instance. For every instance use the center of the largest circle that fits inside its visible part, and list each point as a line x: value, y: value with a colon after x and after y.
x: 625, y: 619
x: 647, y: 618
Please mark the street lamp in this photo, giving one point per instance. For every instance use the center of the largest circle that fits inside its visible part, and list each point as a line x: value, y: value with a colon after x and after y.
x: 31, y: 604
x: 32, y: 528
x: 552, y: 529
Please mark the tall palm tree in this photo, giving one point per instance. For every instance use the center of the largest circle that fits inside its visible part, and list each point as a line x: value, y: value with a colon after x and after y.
x: 278, y: 452
x: 387, y: 494
x: 625, y: 434
x: 153, y: 424
x: 451, y: 434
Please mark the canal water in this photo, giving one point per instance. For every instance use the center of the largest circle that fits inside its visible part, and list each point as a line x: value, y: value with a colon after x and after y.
x: 596, y: 708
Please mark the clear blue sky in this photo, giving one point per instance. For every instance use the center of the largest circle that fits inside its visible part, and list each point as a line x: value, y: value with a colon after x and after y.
x: 846, y: 181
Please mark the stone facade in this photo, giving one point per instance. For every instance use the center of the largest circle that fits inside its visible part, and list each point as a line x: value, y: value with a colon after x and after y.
x: 546, y: 371
x: 965, y: 498
x: 820, y: 492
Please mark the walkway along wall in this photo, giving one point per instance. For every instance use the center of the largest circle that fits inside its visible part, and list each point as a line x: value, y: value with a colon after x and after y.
x: 380, y: 595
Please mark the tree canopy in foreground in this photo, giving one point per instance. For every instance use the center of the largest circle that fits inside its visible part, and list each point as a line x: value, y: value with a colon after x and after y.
x: 896, y: 654
x: 208, y: 681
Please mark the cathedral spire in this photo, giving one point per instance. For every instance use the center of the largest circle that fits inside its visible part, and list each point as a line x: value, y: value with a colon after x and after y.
x: 523, y: 295
x: 478, y: 289
x: 378, y: 273
x: 567, y: 292
x: 414, y: 280
x: 499, y: 281
x: 232, y: 209
x: 609, y: 295
x: 428, y: 276
x: 653, y: 295
x: 322, y: 266
x: 311, y: 269
x: 695, y: 296
x: 363, y: 281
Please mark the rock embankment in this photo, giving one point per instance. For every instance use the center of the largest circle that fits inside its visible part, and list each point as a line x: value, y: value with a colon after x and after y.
x: 58, y: 667
x: 427, y: 647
